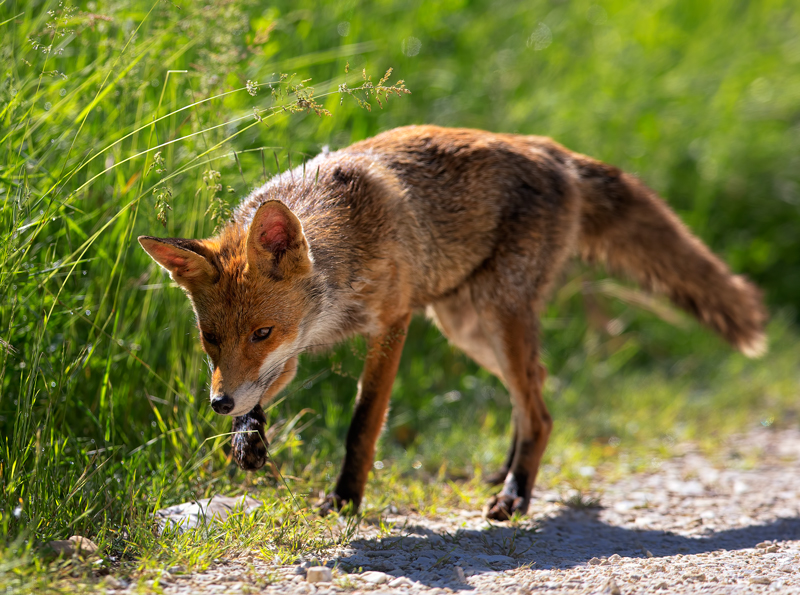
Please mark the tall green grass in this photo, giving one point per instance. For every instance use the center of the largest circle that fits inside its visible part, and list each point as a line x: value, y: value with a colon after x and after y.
x: 116, y: 117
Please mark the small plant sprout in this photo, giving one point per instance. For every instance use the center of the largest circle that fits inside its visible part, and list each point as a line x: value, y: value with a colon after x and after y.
x: 218, y: 210
x: 163, y: 196
x: 158, y: 164
x: 371, y: 90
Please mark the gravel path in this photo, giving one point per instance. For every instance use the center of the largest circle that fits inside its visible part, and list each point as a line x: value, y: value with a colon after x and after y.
x: 689, y: 527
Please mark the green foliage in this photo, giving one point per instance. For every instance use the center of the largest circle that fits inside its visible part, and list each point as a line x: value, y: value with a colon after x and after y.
x: 119, y: 118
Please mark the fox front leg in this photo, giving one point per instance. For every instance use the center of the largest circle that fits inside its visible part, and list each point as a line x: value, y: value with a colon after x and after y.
x: 372, y: 401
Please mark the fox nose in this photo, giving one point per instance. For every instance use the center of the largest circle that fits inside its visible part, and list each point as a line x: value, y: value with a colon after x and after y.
x: 222, y: 404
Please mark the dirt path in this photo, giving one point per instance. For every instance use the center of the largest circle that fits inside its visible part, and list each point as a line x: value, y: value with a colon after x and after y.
x: 689, y: 527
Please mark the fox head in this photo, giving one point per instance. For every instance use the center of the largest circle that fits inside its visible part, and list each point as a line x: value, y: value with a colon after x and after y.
x: 251, y: 291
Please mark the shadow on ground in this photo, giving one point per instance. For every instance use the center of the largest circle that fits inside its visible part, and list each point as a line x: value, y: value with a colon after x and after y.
x: 568, y: 539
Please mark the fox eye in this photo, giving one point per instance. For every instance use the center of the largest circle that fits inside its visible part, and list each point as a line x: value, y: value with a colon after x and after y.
x: 211, y: 339
x: 261, y: 334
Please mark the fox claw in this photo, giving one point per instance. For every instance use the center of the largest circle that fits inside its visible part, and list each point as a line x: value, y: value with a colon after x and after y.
x: 503, y: 506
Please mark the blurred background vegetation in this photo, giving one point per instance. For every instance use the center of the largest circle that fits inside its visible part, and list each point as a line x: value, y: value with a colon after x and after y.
x: 112, y: 114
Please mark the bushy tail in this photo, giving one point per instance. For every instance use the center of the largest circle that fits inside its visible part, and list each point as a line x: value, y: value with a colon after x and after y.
x: 632, y: 231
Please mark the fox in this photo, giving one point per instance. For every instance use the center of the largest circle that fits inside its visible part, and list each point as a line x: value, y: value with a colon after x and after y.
x: 471, y: 227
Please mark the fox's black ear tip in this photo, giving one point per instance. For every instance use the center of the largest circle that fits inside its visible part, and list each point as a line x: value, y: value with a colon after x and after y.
x: 142, y: 239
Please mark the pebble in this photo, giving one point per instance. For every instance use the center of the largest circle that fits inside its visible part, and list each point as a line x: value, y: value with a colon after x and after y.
x: 401, y: 581
x: 113, y: 583
x: 75, y: 545
x: 760, y: 580
x: 375, y: 578
x: 319, y: 574
x: 458, y: 572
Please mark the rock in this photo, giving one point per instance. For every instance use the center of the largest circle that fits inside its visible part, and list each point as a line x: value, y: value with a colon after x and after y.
x: 75, y: 545
x: 176, y: 569
x: 685, y: 488
x: 760, y: 580
x: 615, y: 558
x: 435, y: 539
x: 740, y: 487
x: 113, y: 583
x: 319, y: 574
x: 375, y: 578
x: 201, y: 512
x: 699, y: 577
x: 612, y: 588
x: 459, y: 574
x: 496, y: 559
x: 658, y: 568
x: 595, y: 562
x: 231, y: 577
x: 401, y: 581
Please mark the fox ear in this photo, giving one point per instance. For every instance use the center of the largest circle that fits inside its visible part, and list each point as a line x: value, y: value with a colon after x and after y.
x: 276, y: 243
x: 184, y: 259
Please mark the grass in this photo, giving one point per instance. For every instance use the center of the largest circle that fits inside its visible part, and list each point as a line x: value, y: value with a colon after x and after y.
x: 148, y: 117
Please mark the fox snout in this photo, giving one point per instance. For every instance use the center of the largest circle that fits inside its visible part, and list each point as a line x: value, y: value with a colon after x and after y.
x: 235, y: 398
x: 222, y: 403
x: 239, y: 402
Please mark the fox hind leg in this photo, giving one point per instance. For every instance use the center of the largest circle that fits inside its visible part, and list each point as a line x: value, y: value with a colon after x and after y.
x: 516, y: 344
x: 458, y: 320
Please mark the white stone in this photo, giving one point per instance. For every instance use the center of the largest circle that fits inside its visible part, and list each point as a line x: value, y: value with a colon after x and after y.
x: 202, y: 512
x: 374, y: 577
x: 401, y: 581
x: 319, y: 574
x: 740, y: 487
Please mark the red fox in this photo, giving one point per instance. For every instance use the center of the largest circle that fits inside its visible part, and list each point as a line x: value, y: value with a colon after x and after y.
x: 473, y: 227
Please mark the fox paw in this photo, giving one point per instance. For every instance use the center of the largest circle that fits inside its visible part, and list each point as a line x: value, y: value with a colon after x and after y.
x: 249, y: 442
x: 503, y: 506
x: 331, y: 502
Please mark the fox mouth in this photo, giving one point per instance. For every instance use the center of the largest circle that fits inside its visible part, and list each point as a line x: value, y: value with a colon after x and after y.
x: 249, y: 395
